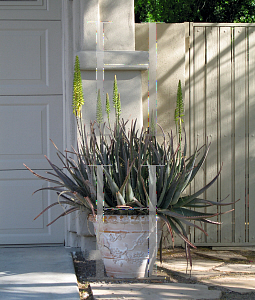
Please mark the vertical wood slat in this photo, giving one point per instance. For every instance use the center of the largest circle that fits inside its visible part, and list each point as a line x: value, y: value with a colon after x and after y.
x: 188, y: 86
x: 251, y: 135
x: 246, y: 138
x: 199, y: 108
x: 240, y: 98
x: 225, y: 117
x: 189, y: 108
x: 211, y: 120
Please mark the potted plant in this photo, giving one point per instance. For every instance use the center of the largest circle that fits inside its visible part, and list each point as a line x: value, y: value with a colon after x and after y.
x: 124, y: 156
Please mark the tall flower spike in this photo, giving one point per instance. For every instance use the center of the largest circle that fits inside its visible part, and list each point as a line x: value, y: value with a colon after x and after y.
x: 78, y: 98
x: 99, y: 113
x: 118, y: 108
x: 108, y: 108
x: 115, y: 96
x: 179, y: 112
x: 178, y: 117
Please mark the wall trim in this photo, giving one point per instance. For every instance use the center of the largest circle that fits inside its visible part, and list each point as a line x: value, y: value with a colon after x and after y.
x: 115, y: 60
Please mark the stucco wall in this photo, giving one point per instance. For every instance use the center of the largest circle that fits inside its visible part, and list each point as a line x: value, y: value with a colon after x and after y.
x: 170, y: 69
x: 111, y: 50
x: 117, y: 55
x: 124, y: 53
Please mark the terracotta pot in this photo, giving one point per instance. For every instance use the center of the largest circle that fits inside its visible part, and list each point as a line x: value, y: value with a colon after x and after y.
x: 123, y: 243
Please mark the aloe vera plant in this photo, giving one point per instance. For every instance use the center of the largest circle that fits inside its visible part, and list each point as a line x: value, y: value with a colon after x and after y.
x: 125, y: 156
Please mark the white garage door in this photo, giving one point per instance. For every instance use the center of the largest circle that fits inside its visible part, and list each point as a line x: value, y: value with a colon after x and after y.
x: 31, y: 113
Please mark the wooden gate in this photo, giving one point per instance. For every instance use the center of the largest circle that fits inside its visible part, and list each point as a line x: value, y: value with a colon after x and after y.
x: 220, y: 109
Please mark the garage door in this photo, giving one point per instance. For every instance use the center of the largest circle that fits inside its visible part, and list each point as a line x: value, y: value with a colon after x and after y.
x: 31, y: 113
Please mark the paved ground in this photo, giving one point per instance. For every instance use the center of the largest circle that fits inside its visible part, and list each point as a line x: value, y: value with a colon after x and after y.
x: 48, y: 273
x: 151, y: 291
x: 217, y: 274
x: 234, y: 270
x: 37, y: 273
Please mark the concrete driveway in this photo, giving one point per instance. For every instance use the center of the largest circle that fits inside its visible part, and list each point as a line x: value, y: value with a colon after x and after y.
x: 37, y: 273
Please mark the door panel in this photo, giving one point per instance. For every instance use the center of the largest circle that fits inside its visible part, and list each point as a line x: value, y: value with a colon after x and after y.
x: 30, y: 10
x: 30, y: 58
x: 19, y: 207
x: 27, y: 125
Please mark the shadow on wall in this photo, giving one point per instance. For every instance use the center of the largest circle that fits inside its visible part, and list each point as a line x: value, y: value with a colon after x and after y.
x: 170, y: 69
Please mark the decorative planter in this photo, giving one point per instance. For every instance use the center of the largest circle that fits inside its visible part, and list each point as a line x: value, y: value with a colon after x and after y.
x: 83, y: 227
x: 123, y: 243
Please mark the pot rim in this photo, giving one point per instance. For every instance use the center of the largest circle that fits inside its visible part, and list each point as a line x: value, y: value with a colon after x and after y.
x: 124, y: 219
